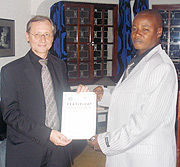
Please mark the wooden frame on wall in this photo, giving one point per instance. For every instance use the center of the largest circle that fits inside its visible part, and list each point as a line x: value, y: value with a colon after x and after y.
x: 7, y: 38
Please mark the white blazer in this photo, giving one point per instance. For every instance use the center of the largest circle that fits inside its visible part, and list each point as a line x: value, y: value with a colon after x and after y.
x: 142, y: 116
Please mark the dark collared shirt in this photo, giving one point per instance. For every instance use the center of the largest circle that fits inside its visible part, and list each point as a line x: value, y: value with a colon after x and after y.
x: 137, y: 58
x: 35, y: 61
x: 37, y: 66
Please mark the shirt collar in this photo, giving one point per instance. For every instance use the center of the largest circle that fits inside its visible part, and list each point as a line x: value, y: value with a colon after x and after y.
x: 146, y: 52
x: 35, y: 58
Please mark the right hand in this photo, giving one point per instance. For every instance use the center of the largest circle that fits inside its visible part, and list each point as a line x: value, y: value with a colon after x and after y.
x: 59, y: 139
x: 93, y: 142
x: 99, y: 92
x: 82, y: 88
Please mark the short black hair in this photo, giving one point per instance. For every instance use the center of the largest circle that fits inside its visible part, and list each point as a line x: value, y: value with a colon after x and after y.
x: 154, y: 13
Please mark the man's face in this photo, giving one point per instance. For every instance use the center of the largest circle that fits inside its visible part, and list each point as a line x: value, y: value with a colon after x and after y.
x: 40, y: 38
x: 145, y: 32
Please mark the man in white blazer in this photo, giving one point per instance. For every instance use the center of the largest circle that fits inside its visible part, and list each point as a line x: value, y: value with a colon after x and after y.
x: 142, y: 109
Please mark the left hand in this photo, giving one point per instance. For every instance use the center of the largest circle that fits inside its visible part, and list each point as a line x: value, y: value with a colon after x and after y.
x: 94, y: 143
x: 58, y: 138
x: 82, y: 88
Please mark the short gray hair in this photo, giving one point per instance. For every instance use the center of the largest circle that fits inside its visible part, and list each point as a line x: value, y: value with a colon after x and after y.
x: 40, y: 18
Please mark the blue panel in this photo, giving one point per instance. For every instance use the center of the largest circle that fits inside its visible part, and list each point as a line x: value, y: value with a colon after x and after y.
x: 57, y: 16
x: 140, y: 5
x: 125, y: 47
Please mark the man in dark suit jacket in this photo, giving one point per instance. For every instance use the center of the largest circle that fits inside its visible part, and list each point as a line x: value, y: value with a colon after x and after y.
x: 30, y: 143
x: 3, y: 129
x: 3, y: 126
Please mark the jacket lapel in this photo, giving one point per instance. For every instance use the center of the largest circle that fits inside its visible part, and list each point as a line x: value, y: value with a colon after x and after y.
x: 30, y: 72
x: 143, y: 62
x: 139, y: 66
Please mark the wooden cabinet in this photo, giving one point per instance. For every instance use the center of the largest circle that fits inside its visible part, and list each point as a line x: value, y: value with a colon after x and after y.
x: 91, y: 41
x: 171, y: 32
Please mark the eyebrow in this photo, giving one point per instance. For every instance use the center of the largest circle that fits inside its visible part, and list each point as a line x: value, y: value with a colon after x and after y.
x: 142, y: 26
x: 145, y: 26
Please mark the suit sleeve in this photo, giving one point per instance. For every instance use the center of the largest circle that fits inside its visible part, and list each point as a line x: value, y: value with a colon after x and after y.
x: 19, y: 123
x: 159, y: 94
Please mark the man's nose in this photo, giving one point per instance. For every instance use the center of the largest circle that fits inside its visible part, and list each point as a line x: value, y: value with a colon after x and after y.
x: 42, y: 37
x: 138, y: 32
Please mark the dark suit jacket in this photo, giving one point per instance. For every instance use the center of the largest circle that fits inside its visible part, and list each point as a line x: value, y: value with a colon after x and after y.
x: 24, y: 106
x: 3, y: 126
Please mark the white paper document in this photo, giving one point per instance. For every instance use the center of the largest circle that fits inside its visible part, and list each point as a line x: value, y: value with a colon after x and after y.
x: 79, y: 115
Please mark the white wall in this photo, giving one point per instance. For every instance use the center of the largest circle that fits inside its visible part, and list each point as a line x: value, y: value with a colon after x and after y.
x: 18, y: 10
x: 162, y: 2
x: 22, y: 10
x: 43, y: 6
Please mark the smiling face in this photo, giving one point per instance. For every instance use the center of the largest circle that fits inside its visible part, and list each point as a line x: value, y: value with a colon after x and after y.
x: 40, y: 45
x: 146, y: 32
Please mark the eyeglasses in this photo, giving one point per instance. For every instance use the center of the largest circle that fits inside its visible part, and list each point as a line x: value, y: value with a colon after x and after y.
x: 38, y: 35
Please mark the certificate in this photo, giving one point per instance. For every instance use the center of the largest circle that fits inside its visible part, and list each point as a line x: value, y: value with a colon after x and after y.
x: 79, y: 115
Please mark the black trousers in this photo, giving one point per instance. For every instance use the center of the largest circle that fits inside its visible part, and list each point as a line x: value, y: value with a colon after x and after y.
x: 56, y: 156
x: 77, y: 147
x: 63, y: 156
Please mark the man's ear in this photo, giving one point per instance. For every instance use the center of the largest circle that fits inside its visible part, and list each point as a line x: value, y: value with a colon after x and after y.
x: 27, y: 37
x: 159, y: 32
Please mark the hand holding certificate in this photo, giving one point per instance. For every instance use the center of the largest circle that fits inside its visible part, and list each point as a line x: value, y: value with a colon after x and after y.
x: 79, y: 115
